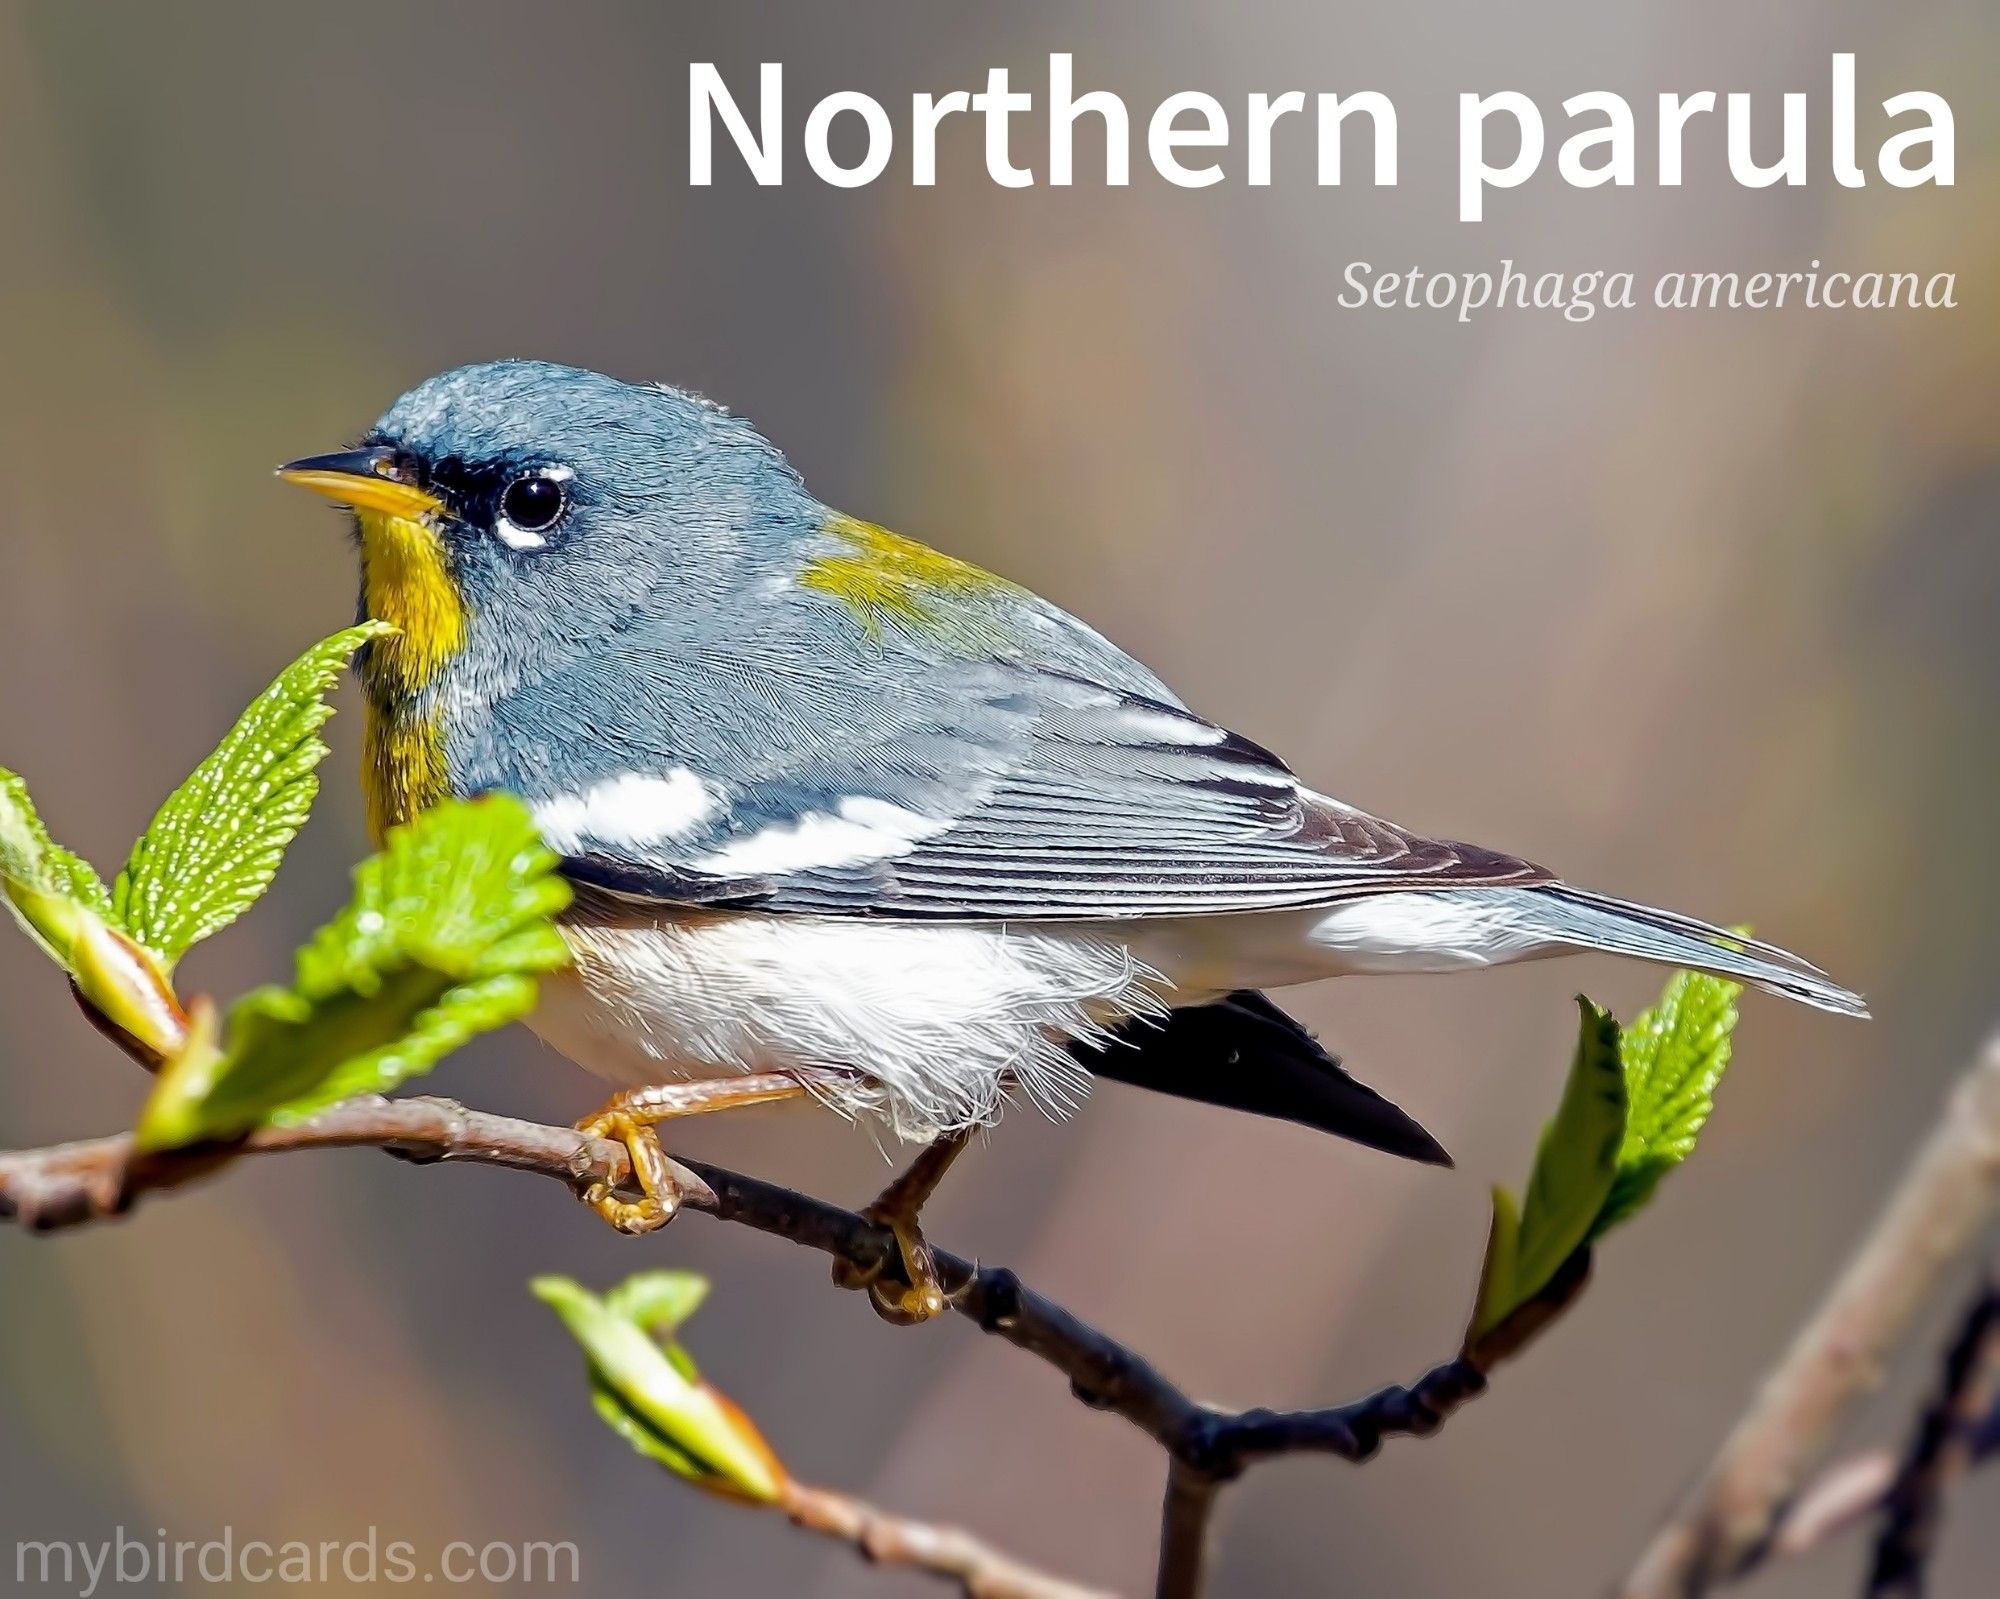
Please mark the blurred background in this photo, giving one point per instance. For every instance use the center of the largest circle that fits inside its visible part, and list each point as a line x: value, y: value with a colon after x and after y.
x: 1698, y: 608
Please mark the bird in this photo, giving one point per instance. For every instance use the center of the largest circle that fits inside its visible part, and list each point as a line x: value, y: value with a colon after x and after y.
x: 852, y: 819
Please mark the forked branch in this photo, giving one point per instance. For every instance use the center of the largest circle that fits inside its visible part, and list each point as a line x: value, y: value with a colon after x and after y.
x: 1734, y: 1515
x: 72, y: 1185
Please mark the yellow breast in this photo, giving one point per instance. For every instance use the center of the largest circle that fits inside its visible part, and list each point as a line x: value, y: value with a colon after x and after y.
x: 404, y: 581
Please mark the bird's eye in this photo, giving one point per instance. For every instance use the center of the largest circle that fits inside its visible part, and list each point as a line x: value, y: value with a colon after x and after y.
x: 532, y: 503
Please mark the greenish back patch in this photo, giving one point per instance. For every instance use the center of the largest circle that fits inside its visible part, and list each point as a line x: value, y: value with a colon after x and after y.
x: 887, y: 580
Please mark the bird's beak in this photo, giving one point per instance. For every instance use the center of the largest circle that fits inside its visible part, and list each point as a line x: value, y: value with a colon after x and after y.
x: 373, y: 479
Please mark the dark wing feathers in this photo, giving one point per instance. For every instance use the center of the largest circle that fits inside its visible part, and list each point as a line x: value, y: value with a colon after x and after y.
x: 1243, y: 1053
x: 625, y: 877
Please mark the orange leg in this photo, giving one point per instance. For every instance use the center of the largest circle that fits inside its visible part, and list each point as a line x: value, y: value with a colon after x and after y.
x: 920, y: 1296
x: 630, y: 1117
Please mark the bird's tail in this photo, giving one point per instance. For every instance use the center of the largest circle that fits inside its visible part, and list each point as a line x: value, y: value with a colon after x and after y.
x: 1597, y: 921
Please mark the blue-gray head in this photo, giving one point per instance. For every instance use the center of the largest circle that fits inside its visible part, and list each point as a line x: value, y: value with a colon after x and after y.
x: 520, y: 495
x: 515, y: 516
x: 552, y: 545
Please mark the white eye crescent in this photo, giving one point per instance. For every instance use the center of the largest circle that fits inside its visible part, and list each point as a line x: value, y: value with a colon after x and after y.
x: 532, y: 504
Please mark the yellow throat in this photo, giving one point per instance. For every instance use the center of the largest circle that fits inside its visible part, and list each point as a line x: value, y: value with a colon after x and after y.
x: 404, y: 582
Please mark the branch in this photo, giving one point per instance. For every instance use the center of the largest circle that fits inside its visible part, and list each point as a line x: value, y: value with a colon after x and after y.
x: 1947, y: 1196
x: 1940, y: 1450
x: 72, y: 1185
x: 1184, y: 1532
x: 1847, y: 1494
x: 981, y: 1571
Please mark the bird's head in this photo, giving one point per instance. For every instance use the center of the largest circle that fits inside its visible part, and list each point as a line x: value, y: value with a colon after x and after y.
x: 509, y: 512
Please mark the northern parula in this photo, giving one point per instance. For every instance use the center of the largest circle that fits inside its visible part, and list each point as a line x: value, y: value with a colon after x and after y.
x: 851, y: 818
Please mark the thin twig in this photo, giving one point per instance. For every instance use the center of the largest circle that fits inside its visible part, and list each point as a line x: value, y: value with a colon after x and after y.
x: 1185, y: 1538
x: 72, y: 1185
x: 96, y: 1180
x: 1940, y: 1450
x: 1949, y: 1193
x: 1851, y: 1491
x: 1744, y: 1512
x: 1840, y: 1497
x: 979, y: 1570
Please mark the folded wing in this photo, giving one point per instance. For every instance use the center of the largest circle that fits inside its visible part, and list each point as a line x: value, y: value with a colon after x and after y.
x: 1020, y: 794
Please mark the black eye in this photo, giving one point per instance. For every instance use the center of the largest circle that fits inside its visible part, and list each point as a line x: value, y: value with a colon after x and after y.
x: 532, y: 503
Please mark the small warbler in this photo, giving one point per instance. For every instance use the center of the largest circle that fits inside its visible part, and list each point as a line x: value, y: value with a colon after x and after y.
x: 849, y: 818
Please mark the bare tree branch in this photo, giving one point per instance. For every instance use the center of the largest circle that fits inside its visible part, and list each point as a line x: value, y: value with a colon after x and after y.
x: 979, y: 1570
x: 1185, y: 1532
x: 1841, y: 1497
x: 1948, y: 1195
x: 72, y: 1185
x: 1744, y: 1514
x: 1848, y: 1493
x: 1940, y: 1450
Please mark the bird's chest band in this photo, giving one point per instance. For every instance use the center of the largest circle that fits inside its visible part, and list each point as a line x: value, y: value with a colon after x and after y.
x: 405, y: 582
x: 403, y: 766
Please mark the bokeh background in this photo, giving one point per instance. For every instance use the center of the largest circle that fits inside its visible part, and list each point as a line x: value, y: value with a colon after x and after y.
x: 1698, y: 607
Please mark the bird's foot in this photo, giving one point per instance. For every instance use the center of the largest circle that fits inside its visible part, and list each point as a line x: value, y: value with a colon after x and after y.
x: 630, y: 1116
x: 660, y: 1194
x: 920, y: 1294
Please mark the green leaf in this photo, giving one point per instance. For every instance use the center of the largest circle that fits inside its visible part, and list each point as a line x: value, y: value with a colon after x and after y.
x: 1577, y: 1159
x: 659, y: 1405
x: 645, y: 1438
x: 1674, y: 1055
x: 217, y: 842
x: 658, y: 1301
x: 124, y: 986
x: 448, y: 930
x: 1500, y: 1268
x: 45, y: 885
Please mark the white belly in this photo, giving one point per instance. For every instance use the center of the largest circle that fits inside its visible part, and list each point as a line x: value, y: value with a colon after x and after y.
x: 939, y: 1020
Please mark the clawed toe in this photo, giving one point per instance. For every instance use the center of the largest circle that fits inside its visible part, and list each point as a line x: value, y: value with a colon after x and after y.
x: 630, y: 1118
x: 920, y: 1294
x: 660, y: 1194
